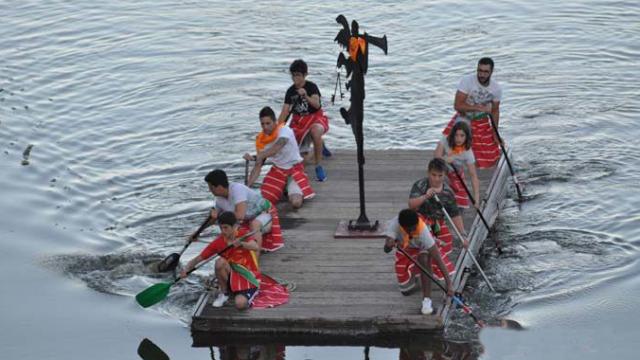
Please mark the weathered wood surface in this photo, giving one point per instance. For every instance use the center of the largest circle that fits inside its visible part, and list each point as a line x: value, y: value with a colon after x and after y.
x: 343, y: 287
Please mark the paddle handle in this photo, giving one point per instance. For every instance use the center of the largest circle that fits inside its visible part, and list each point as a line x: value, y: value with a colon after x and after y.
x: 204, y: 225
x: 484, y: 221
x: 208, y: 260
x: 404, y: 252
x: 455, y: 298
x: 464, y: 185
x: 466, y: 188
x: 473, y: 200
x: 184, y: 248
x: 246, y: 172
x: 473, y: 258
x: 504, y: 151
x: 241, y: 238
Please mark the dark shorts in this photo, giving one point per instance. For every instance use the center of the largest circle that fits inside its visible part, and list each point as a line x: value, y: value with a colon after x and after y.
x: 250, y: 294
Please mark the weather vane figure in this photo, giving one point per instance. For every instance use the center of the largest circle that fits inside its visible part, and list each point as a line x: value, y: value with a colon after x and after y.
x: 356, y: 65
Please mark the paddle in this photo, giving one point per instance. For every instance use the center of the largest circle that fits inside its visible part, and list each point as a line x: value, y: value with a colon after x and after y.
x: 504, y: 152
x: 502, y: 323
x: 460, y: 237
x: 147, y: 350
x: 158, y: 292
x: 473, y: 201
x: 455, y: 298
x: 246, y: 172
x: 171, y: 262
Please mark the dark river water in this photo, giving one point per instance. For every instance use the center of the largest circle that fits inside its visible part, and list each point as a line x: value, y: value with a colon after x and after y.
x: 111, y: 112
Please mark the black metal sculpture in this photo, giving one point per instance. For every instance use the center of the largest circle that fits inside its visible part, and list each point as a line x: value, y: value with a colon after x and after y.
x: 356, y: 65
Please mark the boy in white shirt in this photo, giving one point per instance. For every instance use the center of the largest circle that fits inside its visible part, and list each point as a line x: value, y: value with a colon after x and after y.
x: 410, y: 233
x: 252, y: 211
x: 278, y: 143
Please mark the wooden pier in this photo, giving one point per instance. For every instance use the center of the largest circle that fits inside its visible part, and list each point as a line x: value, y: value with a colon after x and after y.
x: 345, y: 291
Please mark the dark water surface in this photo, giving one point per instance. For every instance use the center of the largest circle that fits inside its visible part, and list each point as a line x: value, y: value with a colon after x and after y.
x: 112, y: 112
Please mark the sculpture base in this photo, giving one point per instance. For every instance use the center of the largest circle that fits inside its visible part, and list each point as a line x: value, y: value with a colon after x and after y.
x: 351, y: 229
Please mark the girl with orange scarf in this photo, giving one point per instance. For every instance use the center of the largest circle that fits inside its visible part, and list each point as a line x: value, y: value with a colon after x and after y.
x: 455, y: 149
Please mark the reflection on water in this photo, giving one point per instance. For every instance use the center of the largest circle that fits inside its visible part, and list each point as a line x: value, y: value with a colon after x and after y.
x: 147, y: 350
x: 450, y: 350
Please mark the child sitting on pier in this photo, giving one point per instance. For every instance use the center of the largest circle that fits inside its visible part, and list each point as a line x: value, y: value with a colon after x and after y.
x: 237, y: 268
x: 309, y: 123
x: 253, y: 212
x: 421, y: 199
x: 410, y: 233
x: 278, y: 143
x: 455, y: 149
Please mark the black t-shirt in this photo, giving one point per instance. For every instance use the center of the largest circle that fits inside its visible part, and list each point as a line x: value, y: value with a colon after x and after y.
x: 300, y: 106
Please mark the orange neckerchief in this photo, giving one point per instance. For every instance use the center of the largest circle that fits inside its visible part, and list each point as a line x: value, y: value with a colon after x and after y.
x: 458, y: 149
x: 406, y: 236
x: 263, y: 139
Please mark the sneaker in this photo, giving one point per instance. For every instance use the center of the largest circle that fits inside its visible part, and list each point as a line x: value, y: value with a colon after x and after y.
x: 325, y: 151
x: 426, y: 306
x: 220, y: 300
x: 320, y: 175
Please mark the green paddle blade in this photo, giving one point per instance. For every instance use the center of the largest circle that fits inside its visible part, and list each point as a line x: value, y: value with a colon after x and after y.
x: 153, y: 294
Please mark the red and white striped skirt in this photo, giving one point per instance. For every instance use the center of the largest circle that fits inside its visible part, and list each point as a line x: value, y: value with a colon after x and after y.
x: 237, y: 282
x: 462, y: 199
x: 271, y: 294
x: 272, y: 240
x: 405, y: 269
x: 302, y: 124
x: 276, y: 180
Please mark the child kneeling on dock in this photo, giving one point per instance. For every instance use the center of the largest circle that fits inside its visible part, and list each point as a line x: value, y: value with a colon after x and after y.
x: 422, y: 199
x: 278, y: 143
x: 237, y: 268
x: 410, y: 233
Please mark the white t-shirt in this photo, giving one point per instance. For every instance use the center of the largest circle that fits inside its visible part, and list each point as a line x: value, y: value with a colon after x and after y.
x: 237, y: 194
x: 466, y: 157
x: 477, y: 94
x: 289, y: 155
x: 423, y: 241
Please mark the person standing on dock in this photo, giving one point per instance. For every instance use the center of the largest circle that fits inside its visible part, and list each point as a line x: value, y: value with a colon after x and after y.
x: 253, y: 212
x: 455, y: 149
x: 409, y: 232
x: 421, y: 199
x: 278, y: 143
x: 237, y: 268
x: 477, y: 98
x: 309, y: 123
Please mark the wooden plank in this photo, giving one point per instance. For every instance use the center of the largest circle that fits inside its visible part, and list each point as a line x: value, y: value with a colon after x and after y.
x: 342, y: 287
